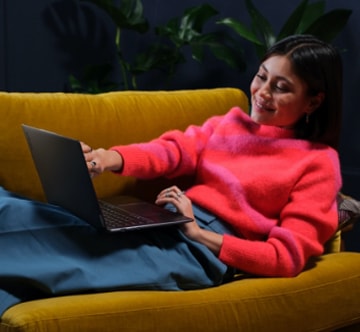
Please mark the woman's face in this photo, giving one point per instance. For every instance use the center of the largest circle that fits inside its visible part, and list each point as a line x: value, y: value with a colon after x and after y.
x: 279, y: 97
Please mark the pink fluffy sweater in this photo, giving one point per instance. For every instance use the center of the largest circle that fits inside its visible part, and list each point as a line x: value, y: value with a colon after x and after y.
x: 277, y: 192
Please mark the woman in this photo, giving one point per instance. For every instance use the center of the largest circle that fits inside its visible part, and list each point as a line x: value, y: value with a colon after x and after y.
x: 263, y: 201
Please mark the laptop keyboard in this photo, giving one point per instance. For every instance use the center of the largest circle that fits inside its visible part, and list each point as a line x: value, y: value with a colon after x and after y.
x: 116, y: 217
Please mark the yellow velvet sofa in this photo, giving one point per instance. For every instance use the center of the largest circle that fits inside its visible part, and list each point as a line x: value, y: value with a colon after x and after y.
x: 325, y: 297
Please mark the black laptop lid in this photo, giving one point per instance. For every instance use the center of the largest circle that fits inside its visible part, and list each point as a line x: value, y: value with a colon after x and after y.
x: 63, y: 173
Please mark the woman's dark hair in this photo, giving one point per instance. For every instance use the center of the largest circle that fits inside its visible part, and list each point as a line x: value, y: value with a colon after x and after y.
x: 319, y: 65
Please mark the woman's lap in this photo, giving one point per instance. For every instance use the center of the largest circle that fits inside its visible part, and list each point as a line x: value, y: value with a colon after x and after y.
x: 52, y: 250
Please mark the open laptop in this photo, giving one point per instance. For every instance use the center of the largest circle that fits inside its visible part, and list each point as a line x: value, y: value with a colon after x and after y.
x: 63, y: 173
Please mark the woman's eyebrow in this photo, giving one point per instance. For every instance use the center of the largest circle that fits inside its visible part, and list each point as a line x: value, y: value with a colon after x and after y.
x: 263, y: 67
x: 278, y: 77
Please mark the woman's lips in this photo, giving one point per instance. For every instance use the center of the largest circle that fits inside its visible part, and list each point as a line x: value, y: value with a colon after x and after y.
x: 263, y: 107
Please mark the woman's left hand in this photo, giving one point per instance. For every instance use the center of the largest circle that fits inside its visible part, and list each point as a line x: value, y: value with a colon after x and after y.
x: 191, y: 229
x: 183, y: 205
x: 178, y: 198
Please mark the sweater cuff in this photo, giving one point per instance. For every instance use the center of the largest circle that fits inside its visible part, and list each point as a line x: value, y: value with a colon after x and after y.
x: 132, y: 160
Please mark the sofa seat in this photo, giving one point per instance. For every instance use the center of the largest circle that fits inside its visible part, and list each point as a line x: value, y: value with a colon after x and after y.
x: 309, y: 302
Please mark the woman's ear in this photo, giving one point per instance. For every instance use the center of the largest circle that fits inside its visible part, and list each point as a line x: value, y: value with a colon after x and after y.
x: 315, y: 102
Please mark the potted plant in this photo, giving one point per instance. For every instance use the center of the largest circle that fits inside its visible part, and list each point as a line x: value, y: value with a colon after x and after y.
x: 166, y: 53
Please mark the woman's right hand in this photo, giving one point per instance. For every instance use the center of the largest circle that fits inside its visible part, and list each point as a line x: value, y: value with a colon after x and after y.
x: 100, y: 160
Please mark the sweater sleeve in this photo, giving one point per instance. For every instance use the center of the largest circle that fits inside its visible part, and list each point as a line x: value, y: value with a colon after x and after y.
x: 306, y: 222
x: 173, y: 154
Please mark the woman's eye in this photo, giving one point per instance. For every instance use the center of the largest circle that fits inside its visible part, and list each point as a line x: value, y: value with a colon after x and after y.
x: 262, y: 77
x: 281, y: 88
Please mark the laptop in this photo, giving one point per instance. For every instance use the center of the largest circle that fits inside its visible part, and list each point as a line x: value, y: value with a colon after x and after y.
x: 66, y: 182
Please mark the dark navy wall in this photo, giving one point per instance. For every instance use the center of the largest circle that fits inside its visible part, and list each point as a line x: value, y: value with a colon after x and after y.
x: 43, y: 41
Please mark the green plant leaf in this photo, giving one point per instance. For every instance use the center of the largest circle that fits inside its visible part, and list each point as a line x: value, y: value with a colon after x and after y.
x: 240, y: 29
x: 95, y: 79
x: 260, y: 50
x: 128, y: 16
x: 171, y: 31
x: 157, y: 56
x: 134, y: 12
x: 194, y: 18
x: 260, y: 24
x: 75, y: 84
x: 199, y: 44
x: 221, y: 46
x: 168, y: 30
x: 312, y: 12
x: 189, y: 27
x: 330, y: 24
x: 228, y: 55
x: 291, y: 25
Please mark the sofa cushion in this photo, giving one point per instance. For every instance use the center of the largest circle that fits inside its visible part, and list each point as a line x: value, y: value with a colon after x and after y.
x: 349, y: 210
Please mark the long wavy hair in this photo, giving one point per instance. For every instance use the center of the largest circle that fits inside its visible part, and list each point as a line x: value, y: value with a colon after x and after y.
x: 319, y: 65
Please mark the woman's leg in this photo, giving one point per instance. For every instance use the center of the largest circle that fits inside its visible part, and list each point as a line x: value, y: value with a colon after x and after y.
x: 50, y: 250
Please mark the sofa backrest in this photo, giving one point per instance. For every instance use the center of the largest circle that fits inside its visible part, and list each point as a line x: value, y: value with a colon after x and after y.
x: 100, y: 120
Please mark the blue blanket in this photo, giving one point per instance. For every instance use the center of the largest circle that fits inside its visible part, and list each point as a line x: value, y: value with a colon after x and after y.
x: 45, y: 251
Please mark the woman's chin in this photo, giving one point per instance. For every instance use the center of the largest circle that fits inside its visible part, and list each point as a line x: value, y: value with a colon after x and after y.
x: 261, y: 117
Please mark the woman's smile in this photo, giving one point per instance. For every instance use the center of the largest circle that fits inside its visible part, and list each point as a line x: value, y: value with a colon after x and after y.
x: 261, y: 106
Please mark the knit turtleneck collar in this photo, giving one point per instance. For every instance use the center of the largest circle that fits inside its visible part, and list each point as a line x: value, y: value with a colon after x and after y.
x: 267, y: 131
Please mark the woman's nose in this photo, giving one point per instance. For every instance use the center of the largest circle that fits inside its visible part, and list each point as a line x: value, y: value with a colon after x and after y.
x: 265, y: 92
